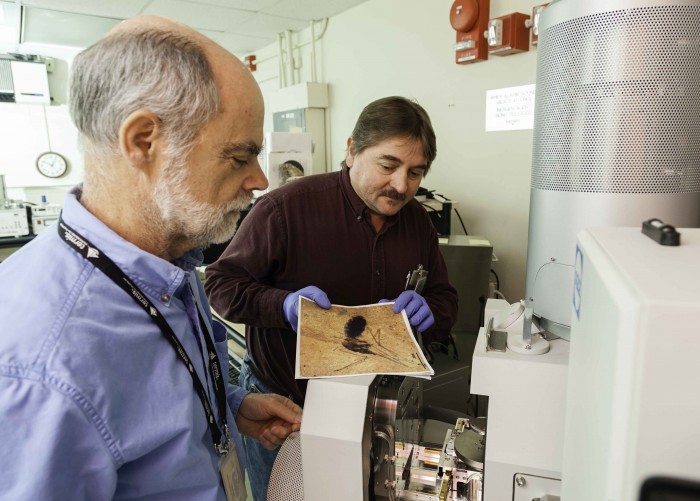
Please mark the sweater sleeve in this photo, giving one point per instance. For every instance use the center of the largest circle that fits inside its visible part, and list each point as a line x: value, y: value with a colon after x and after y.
x: 239, y: 285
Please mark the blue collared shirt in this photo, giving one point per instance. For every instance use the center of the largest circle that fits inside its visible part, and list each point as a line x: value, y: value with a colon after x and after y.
x: 94, y: 402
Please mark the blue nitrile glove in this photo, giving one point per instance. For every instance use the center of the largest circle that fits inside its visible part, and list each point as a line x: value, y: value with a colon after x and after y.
x: 290, y: 307
x: 417, y: 310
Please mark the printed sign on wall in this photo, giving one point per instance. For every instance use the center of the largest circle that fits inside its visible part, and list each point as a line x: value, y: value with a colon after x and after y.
x: 511, y: 108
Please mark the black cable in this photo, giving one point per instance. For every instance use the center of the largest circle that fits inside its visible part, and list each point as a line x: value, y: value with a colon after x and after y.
x: 498, y: 281
x: 460, y: 220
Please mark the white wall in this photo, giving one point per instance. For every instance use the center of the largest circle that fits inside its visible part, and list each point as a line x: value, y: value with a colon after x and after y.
x: 404, y: 47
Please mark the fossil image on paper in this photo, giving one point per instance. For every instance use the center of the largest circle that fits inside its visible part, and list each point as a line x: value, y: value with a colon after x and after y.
x: 345, y: 341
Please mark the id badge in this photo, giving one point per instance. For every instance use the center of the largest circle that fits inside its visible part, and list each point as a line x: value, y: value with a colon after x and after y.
x: 232, y: 476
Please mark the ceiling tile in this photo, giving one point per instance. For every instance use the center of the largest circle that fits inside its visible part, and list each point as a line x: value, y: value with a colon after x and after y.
x: 101, y: 8
x: 311, y: 9
x: 299, y: 9
x: 239, y: 45
x: 212, y: 18
x: 265, y: 25
x: 251, y: 5
x: 44, y: 26
x: 248, y: 25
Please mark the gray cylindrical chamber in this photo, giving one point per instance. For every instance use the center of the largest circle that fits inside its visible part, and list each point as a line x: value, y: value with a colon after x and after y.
x: 617, y: 132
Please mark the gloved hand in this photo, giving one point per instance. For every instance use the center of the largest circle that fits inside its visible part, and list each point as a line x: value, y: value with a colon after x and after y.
x: 417, y: 310
x: 290, y: 307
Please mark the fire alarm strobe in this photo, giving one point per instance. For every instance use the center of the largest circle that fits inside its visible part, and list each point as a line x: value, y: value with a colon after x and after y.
x: 508, y: 34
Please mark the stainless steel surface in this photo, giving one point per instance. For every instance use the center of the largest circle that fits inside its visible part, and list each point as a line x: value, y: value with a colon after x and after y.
x: 438, y: 473
x: 416, y: 279
x: 469, y: 488
x: 396, y: 425
x: 495, y: 340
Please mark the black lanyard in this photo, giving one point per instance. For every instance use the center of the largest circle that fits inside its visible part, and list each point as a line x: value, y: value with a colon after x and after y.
x: 100, y: 260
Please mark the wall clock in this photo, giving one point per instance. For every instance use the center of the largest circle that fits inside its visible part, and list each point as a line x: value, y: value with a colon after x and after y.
x: 51, y: 164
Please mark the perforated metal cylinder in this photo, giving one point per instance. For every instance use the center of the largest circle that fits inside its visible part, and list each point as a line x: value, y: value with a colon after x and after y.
x: 287, y: 475
x: 617, y: 132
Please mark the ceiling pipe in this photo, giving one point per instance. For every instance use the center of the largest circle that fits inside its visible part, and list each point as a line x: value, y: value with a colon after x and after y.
x: 313, y: 50
x: 280, y: 62
x: 285, y: 51
x: 290, y: 57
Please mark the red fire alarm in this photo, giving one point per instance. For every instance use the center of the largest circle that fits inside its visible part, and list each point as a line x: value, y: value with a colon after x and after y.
x: 469, y: 18
x: 508, y: 34
x: 250, y: 62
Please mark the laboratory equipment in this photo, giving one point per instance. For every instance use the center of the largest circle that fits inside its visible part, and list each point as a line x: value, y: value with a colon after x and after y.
x: 43, y: 216
x: 370, y: 437
x: 13, y: 215
x: 24, y: 79
x: 631, y: 406
x: 617, y: 132
x: 616, y: 143
x: 14, y: 221
x: 287, y: 156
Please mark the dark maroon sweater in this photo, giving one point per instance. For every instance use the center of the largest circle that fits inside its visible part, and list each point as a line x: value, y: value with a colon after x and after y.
x: 316, y: 231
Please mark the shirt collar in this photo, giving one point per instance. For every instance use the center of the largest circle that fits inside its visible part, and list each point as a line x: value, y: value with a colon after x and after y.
x: 152, y: 274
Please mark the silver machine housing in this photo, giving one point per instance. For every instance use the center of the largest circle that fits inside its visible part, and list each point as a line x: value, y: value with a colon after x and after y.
x: 617, y: 132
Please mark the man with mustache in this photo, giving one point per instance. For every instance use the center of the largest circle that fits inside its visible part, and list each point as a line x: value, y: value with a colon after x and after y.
x: 113, y: 375
x: 347, y: 237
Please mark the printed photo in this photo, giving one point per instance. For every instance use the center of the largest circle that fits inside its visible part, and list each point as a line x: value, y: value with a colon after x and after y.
x: 354, y: 340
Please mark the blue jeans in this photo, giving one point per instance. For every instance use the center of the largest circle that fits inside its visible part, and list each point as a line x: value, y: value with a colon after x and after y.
x: 259, y: 458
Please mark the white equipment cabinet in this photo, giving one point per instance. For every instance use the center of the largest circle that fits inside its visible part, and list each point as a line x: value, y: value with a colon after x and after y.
x: 525, y: 422
x: 633, y: 403
x: 617, y: 406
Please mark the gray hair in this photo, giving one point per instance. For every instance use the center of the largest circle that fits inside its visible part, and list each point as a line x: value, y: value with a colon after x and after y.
x: 164, y: 72
x: 391, y: 117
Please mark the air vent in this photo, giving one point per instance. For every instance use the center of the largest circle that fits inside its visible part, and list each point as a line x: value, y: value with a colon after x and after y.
x: 625, y: 124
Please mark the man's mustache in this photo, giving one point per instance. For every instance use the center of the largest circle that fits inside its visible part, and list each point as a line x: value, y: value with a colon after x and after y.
x: 394, y: 195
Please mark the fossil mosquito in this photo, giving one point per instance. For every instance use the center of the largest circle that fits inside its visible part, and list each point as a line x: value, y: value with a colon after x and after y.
x: 353, y: 341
